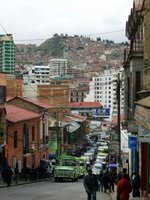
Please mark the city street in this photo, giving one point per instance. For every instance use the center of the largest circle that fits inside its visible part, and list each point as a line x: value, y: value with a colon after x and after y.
x: 48, y: 190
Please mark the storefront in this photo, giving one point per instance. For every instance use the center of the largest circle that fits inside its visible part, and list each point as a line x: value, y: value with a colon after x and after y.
x: 142, y: 117
x: 3, y: 150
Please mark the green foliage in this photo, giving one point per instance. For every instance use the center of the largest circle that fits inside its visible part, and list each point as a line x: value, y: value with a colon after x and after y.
x: 98, y: 39
x: 55, y: 46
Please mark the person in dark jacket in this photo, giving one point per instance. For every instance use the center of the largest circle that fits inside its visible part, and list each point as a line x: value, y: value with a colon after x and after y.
x: 9, y: 174
x: 16, y: 171
x: 101, y: 181
x: 106, y: 181
x: 136, y: 180
x: 91, y: 185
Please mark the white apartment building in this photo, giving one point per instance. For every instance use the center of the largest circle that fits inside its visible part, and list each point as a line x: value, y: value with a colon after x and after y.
x: 58, y: 67
x: 37, y: 74
x: 103, y: 89
x: 40, y: 74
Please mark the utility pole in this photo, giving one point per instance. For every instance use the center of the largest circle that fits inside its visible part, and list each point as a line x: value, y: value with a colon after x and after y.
x: 118, y: 121
x: 58, y: 132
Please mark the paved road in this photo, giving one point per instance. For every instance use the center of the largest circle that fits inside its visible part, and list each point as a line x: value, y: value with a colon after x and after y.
x: 48, y: 190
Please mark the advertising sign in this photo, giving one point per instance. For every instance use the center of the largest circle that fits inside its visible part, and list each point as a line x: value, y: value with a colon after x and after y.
x: 144, y: 134
x: 101, y: 112
x: 52, y: 146
x: 132, y: 126
x: 132, y: 142
x: 142, y: 115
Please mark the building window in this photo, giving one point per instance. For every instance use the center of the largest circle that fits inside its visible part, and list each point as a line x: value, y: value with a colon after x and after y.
x: 15, y: 139
x: 137, y: 85
x: 25, y: 139
x: 2, y: 94
x: 33, y: 133
x: 53, y: 114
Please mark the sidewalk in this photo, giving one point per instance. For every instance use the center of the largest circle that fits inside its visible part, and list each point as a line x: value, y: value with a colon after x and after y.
x: 114, y: 196
x: 22, y: 182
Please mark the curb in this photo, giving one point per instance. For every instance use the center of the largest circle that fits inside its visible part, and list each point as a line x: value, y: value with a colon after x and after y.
x: 25, y: 183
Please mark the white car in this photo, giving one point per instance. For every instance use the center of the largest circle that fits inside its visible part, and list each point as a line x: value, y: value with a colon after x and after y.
x: 100, y: 159
x: 97, y: 167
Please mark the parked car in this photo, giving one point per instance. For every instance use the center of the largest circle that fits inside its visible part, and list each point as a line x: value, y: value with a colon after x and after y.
x: 67, y: 167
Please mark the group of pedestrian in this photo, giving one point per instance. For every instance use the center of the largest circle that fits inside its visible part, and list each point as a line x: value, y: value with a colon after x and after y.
x: 27, y: 173
x: 106, y: 181
x: 101, y: 182
x: 126, y: 185
x: 7, y: 173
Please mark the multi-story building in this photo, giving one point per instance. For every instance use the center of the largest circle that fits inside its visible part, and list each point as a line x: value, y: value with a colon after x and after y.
x: 37, y: 74
x: 78, y: 89
x: 103, y: 88
x: 42, y: 74
x: 2, y: 116
x: 7, y: 54
x: 137, y: 90
x: 58, y: 67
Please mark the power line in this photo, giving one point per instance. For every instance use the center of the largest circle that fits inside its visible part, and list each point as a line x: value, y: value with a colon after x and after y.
x: 94, y: 87
x: 3, y: 28
x: 86, y: 35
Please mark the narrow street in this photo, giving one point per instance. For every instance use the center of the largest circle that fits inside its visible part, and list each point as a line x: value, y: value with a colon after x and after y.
x: 47, y: 190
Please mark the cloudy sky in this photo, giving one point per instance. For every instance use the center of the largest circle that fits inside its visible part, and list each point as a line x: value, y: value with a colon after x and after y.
x: 33, y: 21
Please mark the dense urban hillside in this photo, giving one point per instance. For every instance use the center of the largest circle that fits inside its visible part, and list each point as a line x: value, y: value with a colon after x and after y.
x: 81, y: 52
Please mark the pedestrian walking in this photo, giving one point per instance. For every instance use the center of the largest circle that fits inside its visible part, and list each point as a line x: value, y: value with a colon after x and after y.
x: 106, y: 181
x: 100, y: 181
x: 124, y: 188
x: 9, y: 175
x: 16, y: 171
x: 112, y: 182
x: 91, y: 185
x: 136, y: 180
x: 121, y: 174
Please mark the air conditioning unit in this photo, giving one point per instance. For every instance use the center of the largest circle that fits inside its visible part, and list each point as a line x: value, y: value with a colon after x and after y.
x: 58, y: 124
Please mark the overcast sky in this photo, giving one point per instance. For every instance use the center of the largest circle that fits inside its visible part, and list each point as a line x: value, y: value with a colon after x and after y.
x: 30, y: 20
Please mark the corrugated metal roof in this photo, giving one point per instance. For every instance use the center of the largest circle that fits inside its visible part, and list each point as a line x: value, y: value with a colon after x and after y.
x: 38, y: 103
x: 85, y: 104
x: 73, y: 126
x: 77, y: 119
x: 83, y: 118
x: 16, y: 114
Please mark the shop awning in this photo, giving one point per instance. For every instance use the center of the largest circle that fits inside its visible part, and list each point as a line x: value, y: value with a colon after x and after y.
x: 144, y: 102
x: 142, y: 116
x: 73, y: 126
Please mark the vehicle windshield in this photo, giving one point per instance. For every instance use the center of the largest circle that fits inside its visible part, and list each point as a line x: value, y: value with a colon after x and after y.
x: 68, y: 163
x: 82, y: 164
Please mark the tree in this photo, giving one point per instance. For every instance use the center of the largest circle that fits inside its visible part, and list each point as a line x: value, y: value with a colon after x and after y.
x: 98, y: 39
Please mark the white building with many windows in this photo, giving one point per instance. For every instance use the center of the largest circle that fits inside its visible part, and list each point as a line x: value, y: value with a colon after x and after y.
x: 58, y: 67
x: 103, y: 89
x: 37, y: 74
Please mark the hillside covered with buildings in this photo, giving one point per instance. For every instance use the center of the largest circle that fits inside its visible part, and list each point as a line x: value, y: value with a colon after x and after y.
x: 81, y: 52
